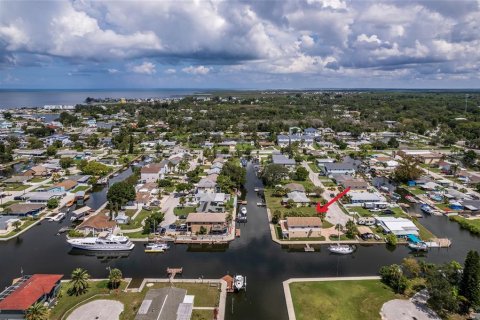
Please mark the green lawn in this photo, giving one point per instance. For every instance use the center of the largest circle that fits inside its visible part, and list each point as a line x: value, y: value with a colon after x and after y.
x: 183, y: 211
x: 80, y: 188
x: 16, y: 187
x: 202, y: 315
x: 424, y: 233
x: 137, y: 222
x: 314, y: 167
x: 275, y: 203
x: 345, y: 300
x: 9, y: 203
x: 37, y: 180
x: 26, y: 222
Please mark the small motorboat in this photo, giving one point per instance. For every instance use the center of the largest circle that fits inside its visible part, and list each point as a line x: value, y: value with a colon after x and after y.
x: 240, y: 282
x: 418, y: 246
x: 243, y: 210
x: 426, y: 209
x: 156, y: 247
x: 411, y: 199
x: 71, y: 203
x: 341, y: 249
x: 396, y: 196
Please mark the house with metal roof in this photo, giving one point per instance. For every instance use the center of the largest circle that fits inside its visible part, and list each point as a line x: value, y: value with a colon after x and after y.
x: 283, y: 160
x: 401, y: 227
x: 338, y: 168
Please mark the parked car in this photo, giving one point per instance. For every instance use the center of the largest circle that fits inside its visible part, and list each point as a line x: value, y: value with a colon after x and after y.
x: 388, y: 211
x: 147, y: 208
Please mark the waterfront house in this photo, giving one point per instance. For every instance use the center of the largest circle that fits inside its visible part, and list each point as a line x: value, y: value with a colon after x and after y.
x: 37, y: 171
x: 7, y: 224
x: 298, y: 198
x: 401, y: 227
x: 40, y: 197
x: 301, y: 227
x: 365, y: 197
x: 152, y: 172
x: 25, y: 292
x: 212, y: 202
x: 294, y: 187
x: 282, y: 160
x: 210, y: 221
x: 207, y: 185
x: 96, y: 224
x: 65, y: 185
x: 24, y: 209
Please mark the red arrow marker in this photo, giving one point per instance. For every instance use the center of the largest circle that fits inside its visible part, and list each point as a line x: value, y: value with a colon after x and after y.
x: 324, y: 209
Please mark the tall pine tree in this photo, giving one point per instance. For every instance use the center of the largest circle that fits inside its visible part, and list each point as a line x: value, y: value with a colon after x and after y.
x: 470, y: 284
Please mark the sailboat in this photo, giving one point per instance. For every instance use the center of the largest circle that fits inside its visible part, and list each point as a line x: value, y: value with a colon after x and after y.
x: 341, y: 248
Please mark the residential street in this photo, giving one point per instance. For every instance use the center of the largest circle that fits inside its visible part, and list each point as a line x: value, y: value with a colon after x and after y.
x: 335, y: 215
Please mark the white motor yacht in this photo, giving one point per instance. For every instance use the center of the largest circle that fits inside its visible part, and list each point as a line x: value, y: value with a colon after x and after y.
x: 104, y: 242
x: 240, y: 282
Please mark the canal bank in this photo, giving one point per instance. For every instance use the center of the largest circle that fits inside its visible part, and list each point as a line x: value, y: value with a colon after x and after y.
x: 254, y: 254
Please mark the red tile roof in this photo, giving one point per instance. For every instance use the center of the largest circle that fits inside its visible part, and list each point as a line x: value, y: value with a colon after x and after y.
x: 29, y: 292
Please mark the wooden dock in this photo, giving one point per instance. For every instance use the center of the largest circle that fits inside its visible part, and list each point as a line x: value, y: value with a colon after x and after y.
x: 229, y: 280
x: 439, y: 243
x: 308, y: 248
x: 172, y: 272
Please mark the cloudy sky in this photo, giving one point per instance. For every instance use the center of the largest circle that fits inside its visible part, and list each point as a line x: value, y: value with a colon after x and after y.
x: 239, y: 44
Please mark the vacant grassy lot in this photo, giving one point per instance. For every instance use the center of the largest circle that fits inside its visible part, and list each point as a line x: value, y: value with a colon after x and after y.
x: 137, y: 222
x: 345, y: 300
x: 183, y: 211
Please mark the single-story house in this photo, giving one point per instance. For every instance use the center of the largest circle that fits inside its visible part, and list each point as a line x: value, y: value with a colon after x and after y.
x: 6, y: 223
x: 299, y: 198
x: 294, y: 187
x: 26, y: 291
x: 97, y: 223
x: 338, y: 168
x: 65, y: 185
x: 210, y: 221
x: 401, y: 227
x: 302, y: 227
x: 17, y: 179
x: 24, y: 209
x: 207, y: 184
x: 363, y: 197
x: 283, y: 160
x: 37, y: 171
x: 37, y: 196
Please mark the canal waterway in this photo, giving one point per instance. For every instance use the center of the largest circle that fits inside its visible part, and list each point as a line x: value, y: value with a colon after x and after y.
x: 265, y: 263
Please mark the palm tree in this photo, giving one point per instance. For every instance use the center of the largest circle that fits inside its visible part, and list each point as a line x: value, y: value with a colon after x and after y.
x: 16, y: 224
x: 115, y: 277
x: 37, y: 311
x: 79, y: 282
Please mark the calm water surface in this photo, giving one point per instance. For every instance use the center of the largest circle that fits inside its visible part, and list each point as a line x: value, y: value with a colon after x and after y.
x: 265, y: 263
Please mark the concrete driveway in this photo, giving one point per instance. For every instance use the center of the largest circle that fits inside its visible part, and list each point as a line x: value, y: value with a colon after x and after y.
x: 335, y: 215
x: 415, y: 308
x: 99, y: 310
x: 167, y: 208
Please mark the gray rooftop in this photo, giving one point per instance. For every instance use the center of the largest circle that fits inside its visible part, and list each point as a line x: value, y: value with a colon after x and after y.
x: 282, y: 159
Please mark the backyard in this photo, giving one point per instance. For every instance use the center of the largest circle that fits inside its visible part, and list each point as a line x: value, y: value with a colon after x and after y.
x: 346, y: 300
